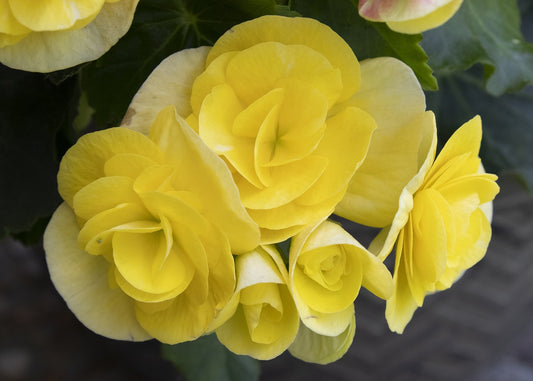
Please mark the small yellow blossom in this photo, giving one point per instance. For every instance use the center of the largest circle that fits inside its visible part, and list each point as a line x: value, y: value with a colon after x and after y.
x: 409, y: 16
x: 49, y: 35
x: 264, y: 320
x: 327, y: 268
x: 142, y: 246
x: 442, y: 226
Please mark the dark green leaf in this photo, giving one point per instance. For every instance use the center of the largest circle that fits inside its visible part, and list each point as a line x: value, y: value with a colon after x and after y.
x: 32, y: 110
x: 369, y: 39
x: 205, y: 359
x: 488, y: 32
x: 507, y: 122
x: 160, y: 28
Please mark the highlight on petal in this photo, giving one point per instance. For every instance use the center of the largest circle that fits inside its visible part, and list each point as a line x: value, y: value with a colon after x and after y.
x: 265, y: 321
x: 46, y: 51
x: 320, y: 349
x: 82, y: 280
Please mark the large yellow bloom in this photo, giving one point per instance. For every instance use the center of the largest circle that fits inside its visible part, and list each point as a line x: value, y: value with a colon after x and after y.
x: 283, y: 101
x: 48, y: 35
x: 142, y: 246
x: 442, y: 224
x: 409, y: 16
x: 264, y: 320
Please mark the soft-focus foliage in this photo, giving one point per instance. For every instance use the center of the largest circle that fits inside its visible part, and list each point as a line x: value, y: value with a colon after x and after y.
x: 161, y: 216
x: 50, y: 35
x: 409, y: 16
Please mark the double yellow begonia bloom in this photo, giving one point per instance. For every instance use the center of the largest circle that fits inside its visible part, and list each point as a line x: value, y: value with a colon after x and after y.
x: 409, y: 16
x: 442, y: 224
x: 49, y: 35
x: 142, y: 246
x: 287, y: 105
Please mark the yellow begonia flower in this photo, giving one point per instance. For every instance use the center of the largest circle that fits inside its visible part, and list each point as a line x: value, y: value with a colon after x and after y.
x: 264, y: 320
x: 266, y: 98
x: 142, y: 246
x: 442, y: 226
x: 409, y: 16
x: 49, y: 35
x: 327, y: 267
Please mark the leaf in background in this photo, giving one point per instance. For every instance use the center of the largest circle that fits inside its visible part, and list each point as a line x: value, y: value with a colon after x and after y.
x: 32, y: 110
x: 369, y: 39
x: 160, y: 28
x: 205, y: 359
x: 507, y: 122
x: 488, y: 32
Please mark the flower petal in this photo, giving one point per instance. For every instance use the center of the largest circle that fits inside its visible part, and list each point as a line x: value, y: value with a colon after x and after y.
x: 82, y: 280
x: 170, y: 83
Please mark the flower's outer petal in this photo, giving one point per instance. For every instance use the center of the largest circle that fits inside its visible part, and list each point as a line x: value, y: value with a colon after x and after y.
x: 170, y: 83
x: 50, y: 51
x: 82, y: 280
x: 294, y: 31
x: 399, y: 10
x: 206, y: 175
x: 391, y: 94
x: 401, y: 306
x: 405, y: 203
x: 432, y: 20
x: 53, y: 15
x: 312, y: 347
x: 85, y: 161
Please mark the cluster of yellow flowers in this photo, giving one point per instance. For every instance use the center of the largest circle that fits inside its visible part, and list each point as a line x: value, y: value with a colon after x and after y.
x: 171, y: 222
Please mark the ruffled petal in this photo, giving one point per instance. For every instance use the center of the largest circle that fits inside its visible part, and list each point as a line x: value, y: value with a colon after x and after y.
x: 82, y: 280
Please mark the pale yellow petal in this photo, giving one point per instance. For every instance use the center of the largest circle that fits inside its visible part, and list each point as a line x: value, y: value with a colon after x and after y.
x: 321, y: 349
x: 403, y: 138
x: 431, y: 20
x: 170, y: 83
x: 82, y: 280
x: 50, y: 51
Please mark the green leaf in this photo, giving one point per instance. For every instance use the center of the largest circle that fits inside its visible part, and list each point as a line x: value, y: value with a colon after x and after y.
x: 32, y: 110
x: 205, y: 359
x: 487, y: 32
x: 368, y: 39
x: 160, y: 28
x: 507, y: 122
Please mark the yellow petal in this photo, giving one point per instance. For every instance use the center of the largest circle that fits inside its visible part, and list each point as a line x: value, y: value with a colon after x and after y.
x: 170, y: 83
x: 345, y: 144
x: 82, y: 280
x: 294, y: 31
x: 321, y: 349
x: 203, y: 173
x: 52, y: 15
x: 127, y: 164
x: 432, y: 20
x: 84, y: 162
x: 8, y: 23
x: 391, y: 94
x: 56, y: 50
